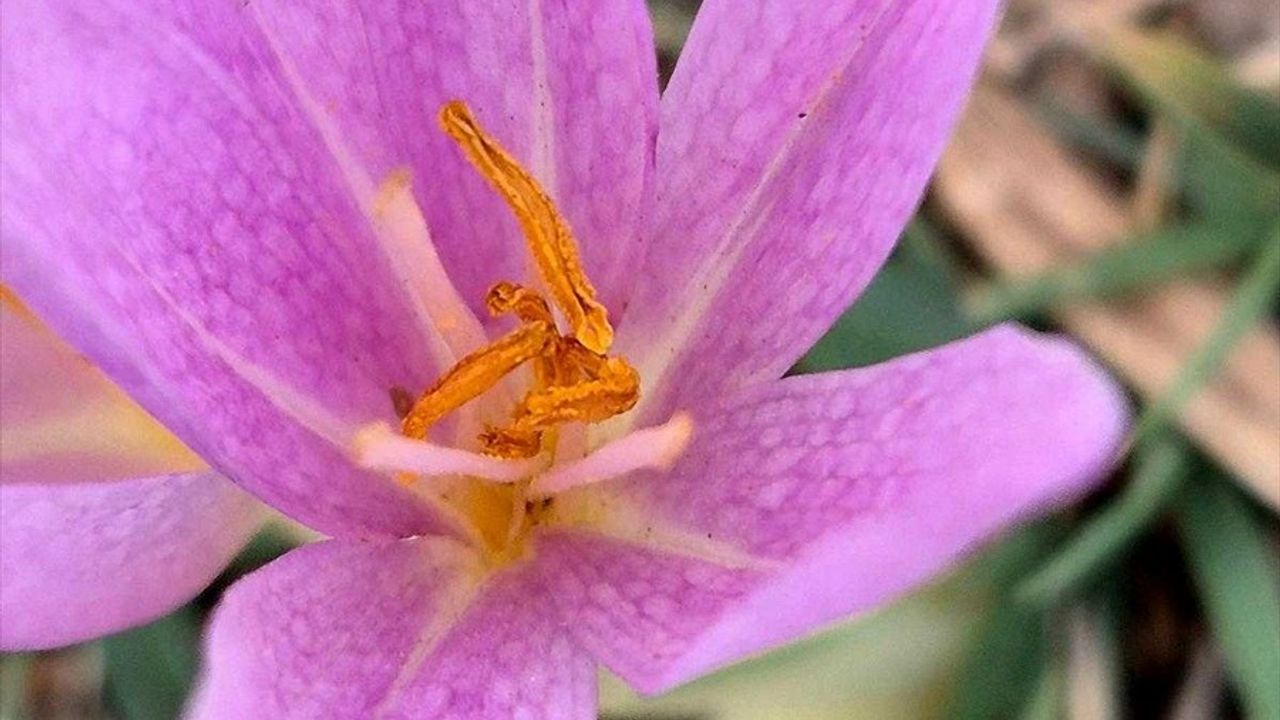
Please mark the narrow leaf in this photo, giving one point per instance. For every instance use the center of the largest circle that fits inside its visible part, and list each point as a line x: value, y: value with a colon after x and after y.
x: 1103, y: 138
x: 1253, y: 299
x: 1001, y: 677
x: 1229, y: 164
x: 1010, y: 659
x: 14, y: 671
x: 1185, y: 82
x: 1236, y: 573
x: 1221, y: 182
x: 1046, y: 701
x: 150, y: 670
x: 1123, y: 268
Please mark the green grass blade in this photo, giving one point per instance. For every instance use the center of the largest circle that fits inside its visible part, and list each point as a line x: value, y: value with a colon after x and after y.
x: 1229, y: 150
x: 1001, y: 676
x: 1253, y: 299
x: 1221, y: 183
x: 1010, y: 658
x: 1046, y: 701
x: 14, y: 671
x: 1105, y: 139
x: 268, y: 544
x: 1236, y: 574
x: 1161, y: 466
x: 150, y: 670
x: 1181, y: 81
x: 1124, y: 268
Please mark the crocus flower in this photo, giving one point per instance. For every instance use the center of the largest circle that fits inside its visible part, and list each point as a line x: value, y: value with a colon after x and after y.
x: 449, y: 283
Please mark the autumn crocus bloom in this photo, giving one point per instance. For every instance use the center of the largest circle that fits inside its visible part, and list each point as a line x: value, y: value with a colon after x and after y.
x: 250, y: 216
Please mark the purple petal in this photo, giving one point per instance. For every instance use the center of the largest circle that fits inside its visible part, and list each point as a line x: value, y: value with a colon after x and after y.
x: 391, y: 629
x: 173, y: 211
x: 106, y: 521
x: 641, y: 610
x: 79, y: 560
x: 796, y: 138
x: 843, y: 490
x: 570, y: 88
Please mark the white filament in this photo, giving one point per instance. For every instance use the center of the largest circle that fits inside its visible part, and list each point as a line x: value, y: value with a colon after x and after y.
x: 654, y: 447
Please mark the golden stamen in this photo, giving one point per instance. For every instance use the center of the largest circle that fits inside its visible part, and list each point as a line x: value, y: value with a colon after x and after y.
x: 528, y: 306
x: 475, y: 374
x: 574, y: 380
x: 550, y: 241
x: 614, y: 391
x: 508, y: 297
x: 611, y: 387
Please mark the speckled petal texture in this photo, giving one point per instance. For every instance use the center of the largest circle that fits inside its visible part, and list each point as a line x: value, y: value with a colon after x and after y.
x: 795, y: 140
x: 191, y: 199
x: 569, y: 87
x: 858, y: 485
x: 391, y: 630
x: 79, y: 560
x: 171, y: 211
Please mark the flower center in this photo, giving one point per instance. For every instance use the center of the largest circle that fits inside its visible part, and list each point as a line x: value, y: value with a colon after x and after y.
x: 538, y: 452
x: 574, y: 380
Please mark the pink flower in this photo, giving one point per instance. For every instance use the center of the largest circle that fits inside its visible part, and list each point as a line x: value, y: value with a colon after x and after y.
x: 246, y: 213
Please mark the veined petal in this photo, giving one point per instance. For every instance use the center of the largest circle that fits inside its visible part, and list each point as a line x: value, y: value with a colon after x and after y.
x: 106, y: 520
x: 391, y: 630
x: 859, y: 484
x: 796, y: 138
x: 171, y: 210
x: 569, y: 88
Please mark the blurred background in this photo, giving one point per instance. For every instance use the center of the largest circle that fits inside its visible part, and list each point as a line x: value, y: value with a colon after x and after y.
x: 1116, y: 178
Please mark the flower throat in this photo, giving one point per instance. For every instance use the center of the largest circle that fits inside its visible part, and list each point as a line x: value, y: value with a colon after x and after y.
x: 574, y: 378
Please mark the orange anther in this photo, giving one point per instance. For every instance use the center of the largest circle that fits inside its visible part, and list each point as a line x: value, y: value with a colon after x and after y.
x: 475, y: 374
x: 550, y: 241
x: 508, y: 297
x: 574, y: 380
